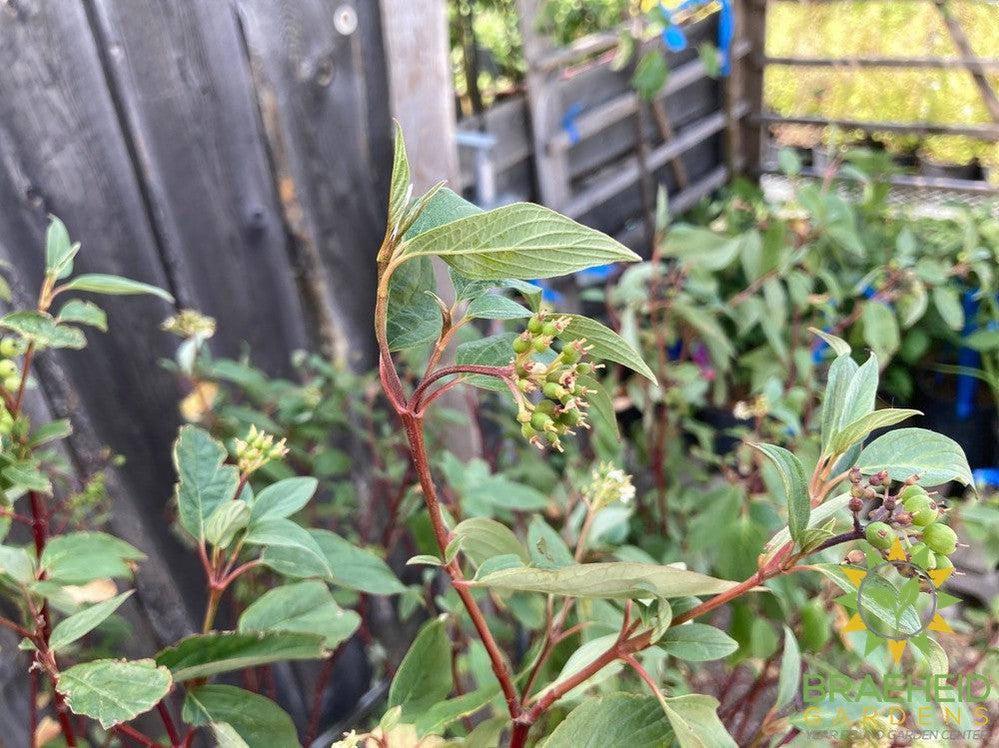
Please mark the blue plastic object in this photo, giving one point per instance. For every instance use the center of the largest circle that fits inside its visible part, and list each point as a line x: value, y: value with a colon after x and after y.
x: 986, y: 477
x: 676, y: 41
x: 569, y: 122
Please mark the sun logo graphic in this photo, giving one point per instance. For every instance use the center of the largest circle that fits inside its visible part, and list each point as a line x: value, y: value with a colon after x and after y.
x: 896, y: 602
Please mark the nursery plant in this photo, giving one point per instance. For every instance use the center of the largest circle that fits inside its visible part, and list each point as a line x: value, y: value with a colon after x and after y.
x: 63, y: 586
x: 600, y: 616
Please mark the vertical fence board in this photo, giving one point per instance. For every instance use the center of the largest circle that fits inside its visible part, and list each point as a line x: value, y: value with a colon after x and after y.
x: 183, y: 86
x: 313, y: 88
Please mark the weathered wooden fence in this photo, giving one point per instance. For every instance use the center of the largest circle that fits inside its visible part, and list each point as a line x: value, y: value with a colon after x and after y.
x: 582, y: 141
x: 231, y: 152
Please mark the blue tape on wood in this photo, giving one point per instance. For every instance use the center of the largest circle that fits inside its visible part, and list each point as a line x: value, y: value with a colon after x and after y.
x: 569, y: 122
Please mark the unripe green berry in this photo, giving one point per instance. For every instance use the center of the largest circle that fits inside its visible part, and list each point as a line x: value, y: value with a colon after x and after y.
x: 12, y: 384
x: 553, y: 391
x: 9, y: 347
x: 7, y: 368
x: 546, y: 406
x: 521, y: 345
x: 541, y: 421
x: 940, y: 539
x: 571, y: 417
x: 535, y: 325
x: 910, y: 493
x: 922, y: 556
x: 549, y: 329
x: 943, y: 562
x: 540, y: 345
x: 528, y: 431
x: 571, y: 354
x: 924, y: 517
x: 879, y: 535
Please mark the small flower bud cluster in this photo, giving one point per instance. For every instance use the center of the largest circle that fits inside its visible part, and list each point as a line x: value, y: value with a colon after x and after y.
x: 912, y: 511
x: 563, y: 405
x: 10, y: 349
x: 189, y: 323
x: 608, y: 484
x: 257, y: 450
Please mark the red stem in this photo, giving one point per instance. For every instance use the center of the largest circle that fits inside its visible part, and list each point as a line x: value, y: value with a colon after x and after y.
x: 322, y: 683
x: 171, y: 728
x: 135, y: 735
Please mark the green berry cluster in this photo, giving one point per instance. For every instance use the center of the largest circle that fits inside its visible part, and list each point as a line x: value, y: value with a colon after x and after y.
x: 257, y: 450
x: 562, y: 404
x: 10, y: 376
x: 911, y: 511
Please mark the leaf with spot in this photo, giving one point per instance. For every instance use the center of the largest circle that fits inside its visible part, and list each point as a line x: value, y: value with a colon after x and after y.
x: 113, y: 691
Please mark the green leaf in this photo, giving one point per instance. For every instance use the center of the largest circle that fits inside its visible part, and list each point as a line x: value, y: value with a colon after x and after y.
x: 859, y: 429
x: 256, y: 720
x: 495, y: 350
x: 546, y: 547
x: 27, y: 475
x: 84, y: 312
x: 904, y: 452
x: 947, y: 300
x: 51, y: 431
x: 839, y: 346
x: 860, y: 394
x: 434, y: 720
x: 80, y: 624
x: 698, y: 642
x: 59, y: 250
x: 616, y: 580
x: 443, y: 208
x: 983, y: 340
x: 282, y: 499
x: 880, y: 329
x: 495, y: 306
x: 42, y: 330
x: 114, y: 285
x: 424, y: 675
x: 228, y: 519
x: 114, y: 691
x: 413, y: 315
x: 790, y: 670
x: 203, y: 481
x: 695, y: 722
x: 792, y: 476
x: 789, y: 162
x: 817, y: 518
x: 618, y: 720
x: 402, y: 182
x: 700, y: 247
x: 304, y: 607
x: 204, y: 655
x: 356, y: 568
x: 840, y: 375
x: 481, y: 538
x: 81, y: 557
x: 283, y: 533
x: 522, y: 241
x: 601, y: 406
x: 651, y: 74
x: 17, y: 564
x: 588, y: 653
x: 606, y: 344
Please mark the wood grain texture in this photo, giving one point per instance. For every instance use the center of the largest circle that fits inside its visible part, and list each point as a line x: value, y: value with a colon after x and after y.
x: 184, y: 91
x: 313, y: 85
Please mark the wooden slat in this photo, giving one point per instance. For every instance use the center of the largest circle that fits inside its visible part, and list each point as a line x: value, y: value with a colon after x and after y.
x: 629, y: 172
x: 973, y: 66
x: 969, y: 186
x: 943, y: 63
x: 205, y: 171
x: 329, y: 144
x: 979, y: 132
x: 587, y: 46
x: 620, y: 107
x: 63, y: 152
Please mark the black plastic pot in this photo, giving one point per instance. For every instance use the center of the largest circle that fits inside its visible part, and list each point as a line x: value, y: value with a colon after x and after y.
x: 972, y: 170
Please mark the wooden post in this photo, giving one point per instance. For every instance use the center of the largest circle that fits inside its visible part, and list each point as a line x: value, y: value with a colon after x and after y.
x: 751, y: 22
x: 545, y: 105
x: 421, y: 88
